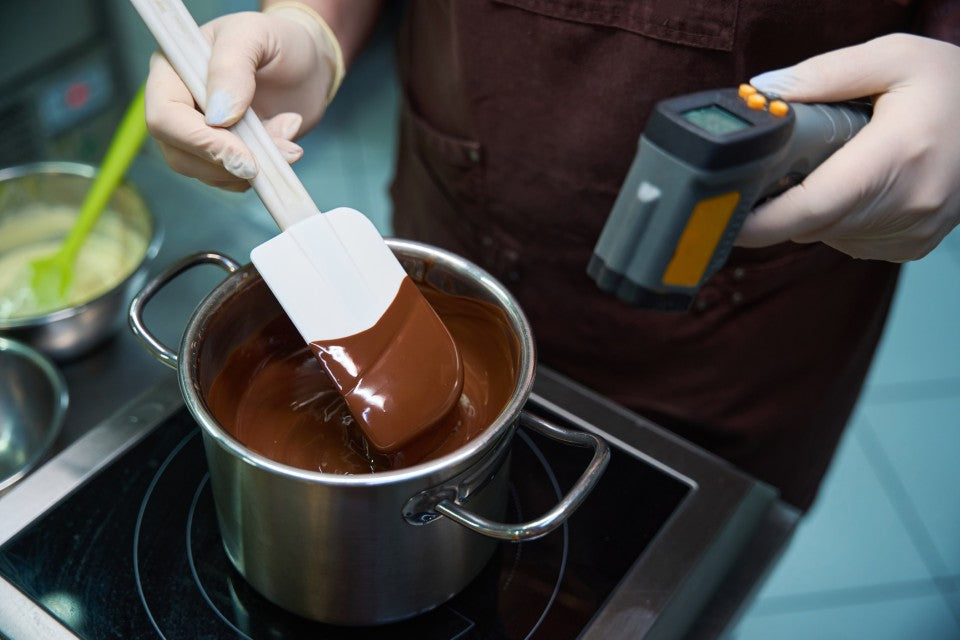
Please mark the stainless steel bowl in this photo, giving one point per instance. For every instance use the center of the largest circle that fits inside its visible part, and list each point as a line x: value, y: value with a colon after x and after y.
x: 67, y: 333
x: 33, y: 400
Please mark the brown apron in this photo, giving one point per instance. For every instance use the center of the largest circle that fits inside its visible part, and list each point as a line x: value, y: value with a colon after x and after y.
x: 521, y: 118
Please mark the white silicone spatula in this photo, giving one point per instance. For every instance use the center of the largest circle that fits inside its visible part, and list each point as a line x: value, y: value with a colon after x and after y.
x: 332, y: 273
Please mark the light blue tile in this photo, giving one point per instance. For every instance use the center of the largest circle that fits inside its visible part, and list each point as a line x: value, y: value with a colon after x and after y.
x: 953, y: 599
x: 240, y: 221
x: 321, y: 171
x: 851, y: 538
x: 349, y: 157
x: 922, y: 340
x: 952, y: 241
x: 955, y: 254
x: 924, y: 617
x: 378, y: 156
x: 921, y: 440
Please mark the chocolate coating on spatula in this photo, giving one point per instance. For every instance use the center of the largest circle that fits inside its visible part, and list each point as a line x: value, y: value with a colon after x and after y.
x: 399, y: 377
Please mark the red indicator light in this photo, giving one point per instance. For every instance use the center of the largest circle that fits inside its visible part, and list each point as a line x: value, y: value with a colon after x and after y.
x: 77, y: 95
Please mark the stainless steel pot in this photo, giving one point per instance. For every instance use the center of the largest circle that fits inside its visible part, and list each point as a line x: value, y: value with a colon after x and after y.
x: 361, y: 549
x: 73, y: 331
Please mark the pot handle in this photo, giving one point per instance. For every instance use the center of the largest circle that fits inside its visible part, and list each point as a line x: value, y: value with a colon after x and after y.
x: 563, y: 510
x: 160, y: 351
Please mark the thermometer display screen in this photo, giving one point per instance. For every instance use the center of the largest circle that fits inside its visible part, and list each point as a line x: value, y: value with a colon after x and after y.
x: 715, y: 119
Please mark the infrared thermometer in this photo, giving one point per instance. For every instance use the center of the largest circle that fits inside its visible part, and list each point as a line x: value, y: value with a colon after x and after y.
x: 704, y: 161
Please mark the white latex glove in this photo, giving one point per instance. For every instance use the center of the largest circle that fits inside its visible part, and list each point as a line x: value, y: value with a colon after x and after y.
x: 893, y: 191
x: 286, y: 62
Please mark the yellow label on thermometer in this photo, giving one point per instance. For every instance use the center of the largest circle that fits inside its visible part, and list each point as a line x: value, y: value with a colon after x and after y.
x: 699, y: 240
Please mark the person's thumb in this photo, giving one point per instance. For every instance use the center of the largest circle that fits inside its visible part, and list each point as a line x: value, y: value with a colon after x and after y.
x: 237, y: 51
x: 859, y: 71
x: 839, y: 185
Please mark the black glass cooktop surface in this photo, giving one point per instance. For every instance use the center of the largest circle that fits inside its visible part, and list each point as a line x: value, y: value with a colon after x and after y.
x: 136, y: 553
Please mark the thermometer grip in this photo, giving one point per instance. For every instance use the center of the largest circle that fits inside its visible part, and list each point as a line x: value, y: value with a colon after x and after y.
x: 818, y: 131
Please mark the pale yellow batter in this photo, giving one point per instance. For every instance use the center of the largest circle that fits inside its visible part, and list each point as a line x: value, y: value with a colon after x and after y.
x: 109, y: 254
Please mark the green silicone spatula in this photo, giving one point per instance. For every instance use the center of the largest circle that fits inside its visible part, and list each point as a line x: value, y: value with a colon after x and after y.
x: 51, y: 276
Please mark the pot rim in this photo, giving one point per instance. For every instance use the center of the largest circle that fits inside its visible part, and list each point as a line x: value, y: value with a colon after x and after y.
x: 60, y: 396
x: 475, y: 448
x: 82, y: 170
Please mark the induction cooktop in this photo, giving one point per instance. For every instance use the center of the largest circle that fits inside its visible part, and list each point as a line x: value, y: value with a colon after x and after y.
x: 134, y: 550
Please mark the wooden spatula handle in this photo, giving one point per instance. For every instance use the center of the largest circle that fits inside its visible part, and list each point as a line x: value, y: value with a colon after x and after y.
x: 188, y: 51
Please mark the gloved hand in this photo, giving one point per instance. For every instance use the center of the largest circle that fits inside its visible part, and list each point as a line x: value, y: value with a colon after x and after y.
x: 285, y: 61
x: 893, y: 191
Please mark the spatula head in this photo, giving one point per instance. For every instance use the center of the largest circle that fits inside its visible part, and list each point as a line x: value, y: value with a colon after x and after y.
x: 50, y: 278
x: 378, y: 338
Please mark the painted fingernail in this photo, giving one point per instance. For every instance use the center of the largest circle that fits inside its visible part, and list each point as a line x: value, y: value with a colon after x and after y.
x: 291, y: 151
x: 290, y: 124
x: 777, y: 81
x: 219, y: 108
x: 240, y: 165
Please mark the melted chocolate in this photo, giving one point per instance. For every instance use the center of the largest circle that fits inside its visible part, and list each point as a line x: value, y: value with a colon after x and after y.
x: 401, y: 376
x: 274, y: 396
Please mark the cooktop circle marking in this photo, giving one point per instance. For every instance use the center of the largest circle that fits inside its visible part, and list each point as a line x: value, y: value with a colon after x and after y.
x: 519, y: 547
x: 566, y: 530
x: 193, y: 566
x: 136, y: 530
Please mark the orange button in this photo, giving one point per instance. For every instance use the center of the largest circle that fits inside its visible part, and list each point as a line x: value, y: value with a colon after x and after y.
x: 746, y: 90
x: 779, y: 108
x: 757, y: 101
